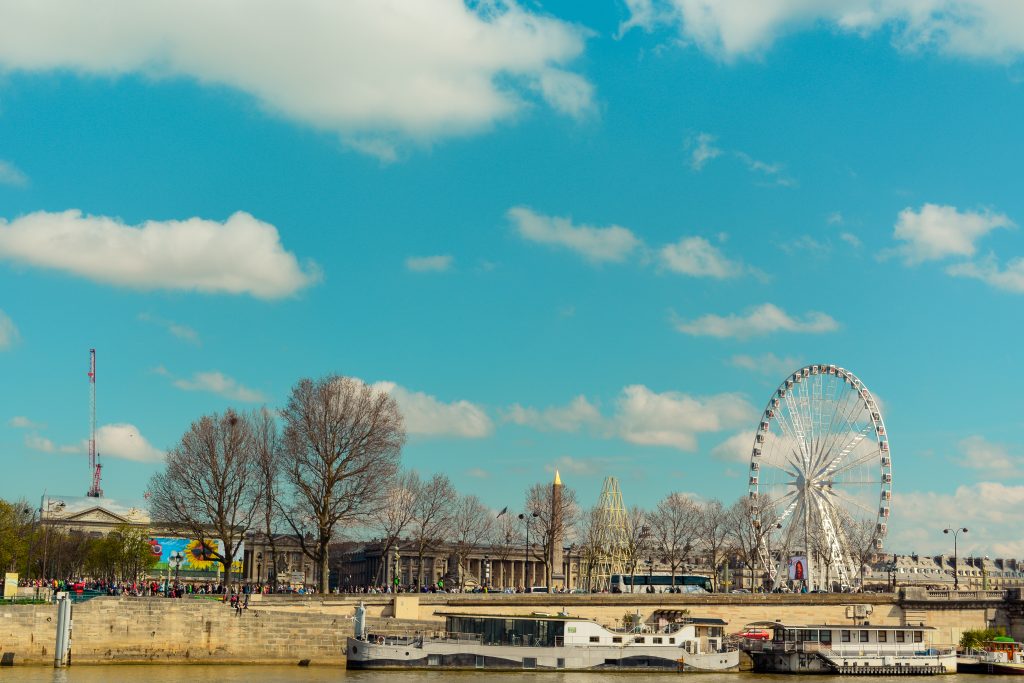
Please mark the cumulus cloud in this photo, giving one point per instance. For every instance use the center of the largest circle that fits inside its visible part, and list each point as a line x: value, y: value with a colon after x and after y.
x: 764, y: 319
x: 570, y: 418
x: 988, y: 270
x: 183, y: 332
x: 597, y: 245
x: 240, y: 256
x: 736, y: 448
x: 774, y: 173
x: 977, y: 452
x: 22, y: 422
x: 364, y: 69
x: 936, y: 232
x: 985, y: 29
x: 12, y: 175
x: 8, y: 332
x: 586, y: 467
x: 426, y: 415
x: 697, y: 257
x: 429, y: 264
x: 850, y: 239
x: 215, y: 382
x: 675, y: 419
x: 126, y: 442
x: 767, y: 364
x: 987, y: 509
x: 703, y: 150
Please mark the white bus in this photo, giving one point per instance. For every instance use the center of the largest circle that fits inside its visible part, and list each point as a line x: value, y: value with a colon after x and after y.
x: 661, y: 583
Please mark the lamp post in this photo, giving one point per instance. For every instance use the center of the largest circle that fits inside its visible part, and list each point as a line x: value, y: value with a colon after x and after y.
x: 526, y: 550
x: 259, y: 570
x: 955, y: 532
x: 174, y: 560
x: 486, y: 579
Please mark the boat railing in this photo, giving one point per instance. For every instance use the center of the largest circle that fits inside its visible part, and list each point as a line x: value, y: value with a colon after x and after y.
x: 455, y: 637
x: 859, y: 650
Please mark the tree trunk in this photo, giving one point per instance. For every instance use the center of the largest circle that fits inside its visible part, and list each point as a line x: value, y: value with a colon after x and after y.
x: 325, y: 572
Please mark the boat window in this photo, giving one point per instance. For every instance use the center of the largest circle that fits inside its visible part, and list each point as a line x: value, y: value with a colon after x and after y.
x: 639, y: 639
x: 656, y: 640
x: 617, y: 639
x: 863, y: 636
x: 595, y: 639
x: 845, y: 636
x: 900, y: 636
x: 561, y: 663
x: 671, y: 641
x: 825, y: 636
x: 529, y: 662
x: 433, y: 660
x: 883, y: 636
x: 918, y: 636
x: 808, y: 636
x: 479, y: 661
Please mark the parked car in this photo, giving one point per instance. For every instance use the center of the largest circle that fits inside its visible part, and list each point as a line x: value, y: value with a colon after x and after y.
x: 755, y: 634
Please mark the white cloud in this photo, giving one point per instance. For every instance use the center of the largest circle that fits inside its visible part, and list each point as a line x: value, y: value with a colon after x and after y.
x: 22, y: 422
x: 767, y: 364
x: 40, y: 443
x: 570, y: 418
x: 597, y: 245
x: 808, y: 245
x: 12, y: 175
x: 704, y: 150
x: 697, y: 257
x: 426, y: 415
x: 675, y: 419
x: 361, y: 68
x: 764, y: 319
x: 215, y: 382
x: 850, y: 239
x: 586, y: 467
x: 124, y: 441
x: 936, y: 232
x: 429, y: 264
x: 477, y: 473
x: 987, y: 509
x: 834, y: 218
x: 8, y: 332
x: 773, y: 172
x: 736, y: 448
x: 987, y: 29
x: 240, y: 256
x: 183, y: 332
x: 1010, y: 278
x: 976, y: 452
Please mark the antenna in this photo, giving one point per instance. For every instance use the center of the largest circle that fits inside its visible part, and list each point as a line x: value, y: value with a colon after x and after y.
x: 94, y: 459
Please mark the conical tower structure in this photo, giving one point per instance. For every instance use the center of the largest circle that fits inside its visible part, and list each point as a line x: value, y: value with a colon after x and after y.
x: 610, y: 539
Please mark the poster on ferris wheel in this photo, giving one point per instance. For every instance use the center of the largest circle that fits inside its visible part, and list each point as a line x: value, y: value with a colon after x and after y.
x: 798, y: 568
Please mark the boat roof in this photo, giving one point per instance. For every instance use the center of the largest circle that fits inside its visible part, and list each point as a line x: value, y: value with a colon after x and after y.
x: 850, y: 627
x: 687, y: 619
x: 534, y: 616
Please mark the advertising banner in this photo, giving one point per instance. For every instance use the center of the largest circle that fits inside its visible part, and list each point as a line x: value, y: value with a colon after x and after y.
x: 198, y: 555
x: 798, y: 568
x: 10, y: 585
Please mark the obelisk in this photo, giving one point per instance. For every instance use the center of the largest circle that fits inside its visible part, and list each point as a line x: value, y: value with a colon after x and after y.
x: 557, y: 535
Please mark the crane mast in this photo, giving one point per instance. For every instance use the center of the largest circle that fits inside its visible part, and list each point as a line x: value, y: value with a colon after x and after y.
x: 94, y: 459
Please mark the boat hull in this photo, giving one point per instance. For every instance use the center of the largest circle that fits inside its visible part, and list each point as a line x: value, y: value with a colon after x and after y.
x: 415, y: 654
x: 966, y: 665
x: 817, y: 663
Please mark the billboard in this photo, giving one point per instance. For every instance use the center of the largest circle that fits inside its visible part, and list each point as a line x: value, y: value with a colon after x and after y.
x: 198, y: 554
x: 798, y: 568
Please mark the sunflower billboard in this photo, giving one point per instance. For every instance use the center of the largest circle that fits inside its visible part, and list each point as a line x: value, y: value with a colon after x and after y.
x: 199, y: 555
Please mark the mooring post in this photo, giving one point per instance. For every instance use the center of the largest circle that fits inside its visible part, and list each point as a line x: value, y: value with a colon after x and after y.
x: 62, y: 652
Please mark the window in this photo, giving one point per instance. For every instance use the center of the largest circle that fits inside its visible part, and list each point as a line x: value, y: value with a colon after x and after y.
x: 825, y: 637
x: 529, y: 662
x: 433, y: 660
x: 595, y: 639
x: 863, y: 636
x: 656, y: 640
x: 639, y: 639
x: 561, y: 663
x: 479, y: 661
x: 671, y: 641
x: 900, y: 636
x: 845, y: 636
x: 918, y: 637
x: 883, y: 636
x: 617, y: 639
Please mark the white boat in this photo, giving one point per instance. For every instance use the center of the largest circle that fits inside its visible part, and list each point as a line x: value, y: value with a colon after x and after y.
x: 859, y: 649
x: 545, y: 642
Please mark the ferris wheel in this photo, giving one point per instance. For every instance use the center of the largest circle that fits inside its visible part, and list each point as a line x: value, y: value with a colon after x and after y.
x: 820, y: 478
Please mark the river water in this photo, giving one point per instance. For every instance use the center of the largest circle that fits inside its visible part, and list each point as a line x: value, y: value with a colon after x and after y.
x: 171, y: 673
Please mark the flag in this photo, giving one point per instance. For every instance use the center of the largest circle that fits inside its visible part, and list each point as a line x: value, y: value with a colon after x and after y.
x: 503, y: 511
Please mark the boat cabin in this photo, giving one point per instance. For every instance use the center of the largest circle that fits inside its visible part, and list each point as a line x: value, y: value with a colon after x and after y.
x: 847, y: 638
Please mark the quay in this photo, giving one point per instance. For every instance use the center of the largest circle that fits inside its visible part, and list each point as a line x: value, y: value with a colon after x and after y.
x: 283, y: 629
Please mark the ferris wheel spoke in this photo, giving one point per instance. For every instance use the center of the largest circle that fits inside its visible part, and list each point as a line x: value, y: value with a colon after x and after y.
x: 855, y: 503
x: 870, y: 455
x: 836, y: 465
x: 846, y: 413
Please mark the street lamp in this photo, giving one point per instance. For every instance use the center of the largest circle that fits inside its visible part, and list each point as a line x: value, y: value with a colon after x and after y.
x: 259, y: 570
x: 956, y: 577
x: 486, y: 578
x: 174, y: 560
x: 526, y: 549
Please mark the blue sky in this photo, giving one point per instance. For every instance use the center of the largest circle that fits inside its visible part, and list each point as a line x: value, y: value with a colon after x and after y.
x: 587, y: 235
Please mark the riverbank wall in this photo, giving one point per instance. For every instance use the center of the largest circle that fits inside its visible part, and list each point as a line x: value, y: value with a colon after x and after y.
x: 312, y: 629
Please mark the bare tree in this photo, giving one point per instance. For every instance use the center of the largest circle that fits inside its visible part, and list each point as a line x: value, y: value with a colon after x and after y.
x: 267, y: 442
x: 395, y: 515
x: 342, y: 443
x: 433, y: 513
x: 590, y: 538
x: 505, y: 537
x: 472, y: 522
x: 749, y: 526
x: 862, y: 537
x: 713, y: 535
x: 547, y: 525
x: 211, y: 486
x: 674, y: 529
x: 637, y: 540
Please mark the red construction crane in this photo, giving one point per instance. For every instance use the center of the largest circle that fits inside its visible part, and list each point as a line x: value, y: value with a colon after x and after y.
x: 94, y: 458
